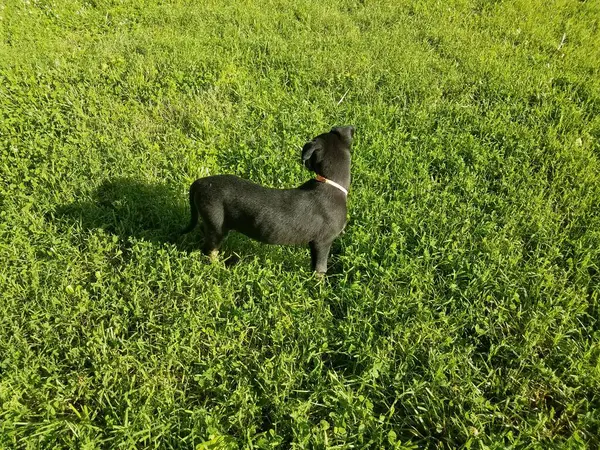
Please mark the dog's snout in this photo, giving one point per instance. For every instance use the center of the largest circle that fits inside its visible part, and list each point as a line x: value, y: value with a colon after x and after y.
x: 345, y: 132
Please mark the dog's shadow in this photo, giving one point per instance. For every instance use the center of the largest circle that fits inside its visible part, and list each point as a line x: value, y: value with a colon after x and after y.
x: 128, y: 207
x: 154, y: 212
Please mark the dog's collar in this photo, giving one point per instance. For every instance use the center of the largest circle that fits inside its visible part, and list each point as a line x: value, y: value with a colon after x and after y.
x: 333, y: 183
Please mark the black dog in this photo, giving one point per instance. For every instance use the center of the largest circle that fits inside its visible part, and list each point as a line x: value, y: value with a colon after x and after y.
x: 313, y: 213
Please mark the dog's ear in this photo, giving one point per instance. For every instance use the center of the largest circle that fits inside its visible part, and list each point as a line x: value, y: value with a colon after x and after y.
x: 345, y: 133
x: 308, y: 149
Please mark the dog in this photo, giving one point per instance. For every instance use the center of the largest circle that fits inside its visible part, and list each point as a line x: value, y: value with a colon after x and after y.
x: 313, y: 213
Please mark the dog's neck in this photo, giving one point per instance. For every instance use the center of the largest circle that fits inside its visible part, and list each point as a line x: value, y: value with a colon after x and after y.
x: 322, y: 179
x: 337, y: 171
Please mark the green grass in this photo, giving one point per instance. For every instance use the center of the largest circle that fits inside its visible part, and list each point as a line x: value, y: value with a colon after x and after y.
x: 462, y: 305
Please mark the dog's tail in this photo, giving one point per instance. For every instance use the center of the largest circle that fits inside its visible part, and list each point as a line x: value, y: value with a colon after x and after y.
x: 194, y: 212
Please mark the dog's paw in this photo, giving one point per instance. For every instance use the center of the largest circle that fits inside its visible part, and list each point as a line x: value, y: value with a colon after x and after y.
x: 214, y: 255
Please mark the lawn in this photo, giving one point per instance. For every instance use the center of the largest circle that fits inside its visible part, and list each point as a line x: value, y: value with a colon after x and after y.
x: 462, y: 305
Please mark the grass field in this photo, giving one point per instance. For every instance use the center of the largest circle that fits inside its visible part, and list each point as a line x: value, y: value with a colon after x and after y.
x: 462, y: 305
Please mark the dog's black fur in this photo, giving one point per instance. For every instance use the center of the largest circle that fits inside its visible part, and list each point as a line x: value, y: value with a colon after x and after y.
x: 313, y: 213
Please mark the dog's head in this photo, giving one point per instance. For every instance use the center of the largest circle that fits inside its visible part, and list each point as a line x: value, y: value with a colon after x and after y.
x: 329, y: 154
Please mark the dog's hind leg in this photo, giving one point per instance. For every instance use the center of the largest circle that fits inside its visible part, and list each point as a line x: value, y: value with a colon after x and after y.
x: 214, y: 232
x: 319, y: 251
x: 212, y: 241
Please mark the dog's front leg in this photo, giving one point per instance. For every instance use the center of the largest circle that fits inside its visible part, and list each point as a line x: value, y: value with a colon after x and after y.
x: 319, y: 251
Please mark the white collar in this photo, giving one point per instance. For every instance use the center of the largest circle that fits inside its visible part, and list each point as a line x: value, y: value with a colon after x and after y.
x: 333, y: 183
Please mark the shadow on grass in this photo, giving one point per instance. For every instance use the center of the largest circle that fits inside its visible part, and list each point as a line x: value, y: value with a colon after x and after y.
x: 130, y: 208
x: 127, y: 207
